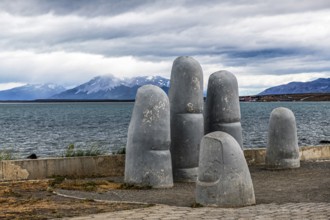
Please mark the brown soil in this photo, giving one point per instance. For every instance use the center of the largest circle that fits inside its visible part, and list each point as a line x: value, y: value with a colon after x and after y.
x: 36, y: 200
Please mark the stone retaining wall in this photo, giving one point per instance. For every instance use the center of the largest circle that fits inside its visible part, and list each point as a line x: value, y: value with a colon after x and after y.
x: 113, y: 165
x: 257, y: 156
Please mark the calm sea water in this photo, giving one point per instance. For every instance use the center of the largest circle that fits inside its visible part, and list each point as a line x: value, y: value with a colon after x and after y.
x: 48, y: 128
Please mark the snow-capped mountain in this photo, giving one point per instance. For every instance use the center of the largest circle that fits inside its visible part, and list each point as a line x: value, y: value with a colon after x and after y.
x: 31, y: 92
x: 97, y: 84
x: 110, y: 87
x: 321, y: 85
x: 144, y: 80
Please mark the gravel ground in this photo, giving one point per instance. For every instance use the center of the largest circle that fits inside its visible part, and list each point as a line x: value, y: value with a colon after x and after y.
x: 309, y: 183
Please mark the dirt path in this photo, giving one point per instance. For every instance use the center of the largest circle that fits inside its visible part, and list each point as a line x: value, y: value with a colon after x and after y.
x: 36, y: 200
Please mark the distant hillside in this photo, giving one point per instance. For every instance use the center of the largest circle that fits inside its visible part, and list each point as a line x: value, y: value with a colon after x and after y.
x: 110, y: 87
x: 303, y: 97
x: 31, y: 92
x: 321, y: 85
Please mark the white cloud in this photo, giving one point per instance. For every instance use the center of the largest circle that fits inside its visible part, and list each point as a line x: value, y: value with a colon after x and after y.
x: 72, y: 67
x: 264, y: 43
x: 264, y: 81
x: 5, y: 86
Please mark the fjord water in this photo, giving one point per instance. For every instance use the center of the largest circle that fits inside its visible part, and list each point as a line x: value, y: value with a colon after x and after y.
x: 48, y: 128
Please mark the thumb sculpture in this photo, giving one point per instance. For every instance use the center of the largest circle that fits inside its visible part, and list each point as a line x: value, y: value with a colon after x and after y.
x: 282, y: 148
x: 222, y: 111
x: 187, y: 123
x: 224, y: 178
x: 148, y: 159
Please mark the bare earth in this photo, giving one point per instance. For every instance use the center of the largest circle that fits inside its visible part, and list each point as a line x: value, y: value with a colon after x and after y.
x: 37, y: 200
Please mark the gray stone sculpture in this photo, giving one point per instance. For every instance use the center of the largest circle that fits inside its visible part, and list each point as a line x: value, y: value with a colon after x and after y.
x: 224, y: 178
x: 187, y: 123
x: 282, y: 148
x: 222, y: 110
x: 148, y: 158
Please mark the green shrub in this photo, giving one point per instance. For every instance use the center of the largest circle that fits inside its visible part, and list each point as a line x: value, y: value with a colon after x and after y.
x: 56, y: 181
x: 120, y: 151
x: 7, y: 155
x: 94, y: 150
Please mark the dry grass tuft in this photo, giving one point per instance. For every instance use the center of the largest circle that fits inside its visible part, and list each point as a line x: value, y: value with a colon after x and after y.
x: 88, y: 185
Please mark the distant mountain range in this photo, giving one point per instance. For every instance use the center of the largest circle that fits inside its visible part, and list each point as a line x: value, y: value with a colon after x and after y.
x: 110, y: 87
x: 31, y: 92
x: 321, y: 85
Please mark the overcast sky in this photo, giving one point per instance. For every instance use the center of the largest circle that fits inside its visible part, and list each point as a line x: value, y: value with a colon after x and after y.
x: 68, y: 42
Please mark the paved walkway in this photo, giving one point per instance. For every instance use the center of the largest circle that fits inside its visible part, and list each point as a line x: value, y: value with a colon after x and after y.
x: 297, y: 211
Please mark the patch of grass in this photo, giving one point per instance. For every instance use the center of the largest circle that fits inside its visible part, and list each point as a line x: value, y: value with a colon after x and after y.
x: 56, y: 181
x: 120, y: 151
x: 86, y: 185
x: 90, y: 186
x: 196, y: 205
x: 6, y: 154
x: 94, y: 150
x: 30, y: 200
x: 8, y: 192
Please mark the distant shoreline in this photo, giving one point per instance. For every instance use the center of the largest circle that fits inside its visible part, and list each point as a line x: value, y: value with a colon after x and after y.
x: 306, y: 97
x: 64, y: 100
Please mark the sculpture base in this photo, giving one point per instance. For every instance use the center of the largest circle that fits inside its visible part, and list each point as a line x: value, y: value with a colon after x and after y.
x: 185, y: 175
x: 282, y: 164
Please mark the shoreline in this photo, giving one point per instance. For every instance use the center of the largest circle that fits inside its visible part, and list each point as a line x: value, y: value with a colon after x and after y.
x: 304, y: 97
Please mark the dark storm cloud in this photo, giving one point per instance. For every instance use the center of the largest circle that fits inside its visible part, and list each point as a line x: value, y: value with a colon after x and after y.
x: 163, y: 28
x: 65, y: 7
x: 113, y: 7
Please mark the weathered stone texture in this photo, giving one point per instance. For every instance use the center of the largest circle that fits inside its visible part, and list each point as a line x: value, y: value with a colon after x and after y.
x: 282, y: 148
x: 148, y: 159
x: 222, y: 111
x: 186, y: 88
x: 224, y: 178
x: 187, y: 123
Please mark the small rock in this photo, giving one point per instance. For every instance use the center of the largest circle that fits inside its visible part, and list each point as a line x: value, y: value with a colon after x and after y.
x: 32, y: 156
